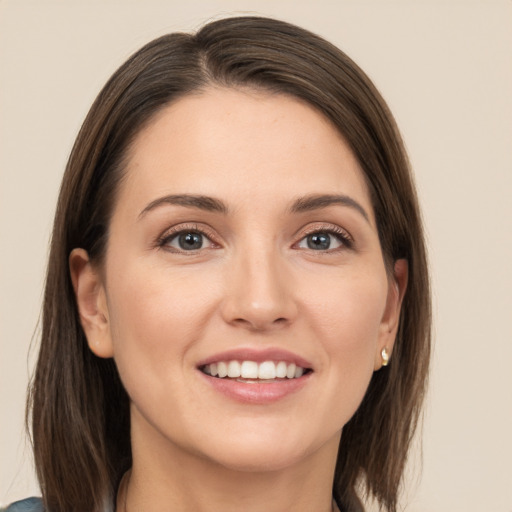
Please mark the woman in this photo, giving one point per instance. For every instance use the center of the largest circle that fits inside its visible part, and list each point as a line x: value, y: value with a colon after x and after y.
x: 237, y: 253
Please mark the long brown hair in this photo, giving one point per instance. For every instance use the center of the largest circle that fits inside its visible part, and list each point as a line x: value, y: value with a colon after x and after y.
x: 79, y: 409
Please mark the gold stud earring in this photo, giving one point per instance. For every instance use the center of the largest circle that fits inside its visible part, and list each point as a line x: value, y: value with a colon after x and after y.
x: 385, y: 356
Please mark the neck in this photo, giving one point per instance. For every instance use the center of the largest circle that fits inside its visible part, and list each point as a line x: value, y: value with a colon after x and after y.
x: 167, y: 477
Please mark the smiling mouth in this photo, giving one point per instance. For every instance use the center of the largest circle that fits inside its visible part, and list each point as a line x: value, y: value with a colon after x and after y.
x: 253, y: 372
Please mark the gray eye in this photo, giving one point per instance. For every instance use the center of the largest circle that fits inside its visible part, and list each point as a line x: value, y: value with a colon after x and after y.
x: 187, y: 241
x: 319, y: 241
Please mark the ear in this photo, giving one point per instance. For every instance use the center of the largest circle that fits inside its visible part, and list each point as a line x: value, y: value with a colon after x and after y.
x: 397, y: 285
x: 92, y: 303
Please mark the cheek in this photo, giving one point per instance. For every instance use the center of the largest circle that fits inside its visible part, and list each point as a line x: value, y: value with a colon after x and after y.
x: 349, y: 309
x: 347, y: 321
x: 154, y: 298
x: 155, y: 316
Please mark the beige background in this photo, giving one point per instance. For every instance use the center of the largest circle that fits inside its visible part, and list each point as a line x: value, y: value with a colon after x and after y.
x: 445, y: 69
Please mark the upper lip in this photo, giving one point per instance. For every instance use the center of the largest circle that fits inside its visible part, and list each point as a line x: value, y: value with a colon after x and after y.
x: 256, y: 355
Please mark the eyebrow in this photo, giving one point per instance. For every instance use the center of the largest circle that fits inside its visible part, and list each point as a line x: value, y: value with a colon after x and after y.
x: 318, y: 201
x: 189, y: 201
x: 300, y: 205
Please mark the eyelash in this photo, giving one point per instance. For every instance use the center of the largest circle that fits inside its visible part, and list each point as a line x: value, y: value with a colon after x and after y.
x: 163, y: 241
x: 340, y: 234
x: 347, y: 242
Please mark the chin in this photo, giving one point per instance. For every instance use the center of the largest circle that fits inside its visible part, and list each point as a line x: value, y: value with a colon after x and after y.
x: 254, y: 461
x: 266, y: 453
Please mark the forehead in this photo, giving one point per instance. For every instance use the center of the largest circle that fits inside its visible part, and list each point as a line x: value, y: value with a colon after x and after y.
x: 241, y: 144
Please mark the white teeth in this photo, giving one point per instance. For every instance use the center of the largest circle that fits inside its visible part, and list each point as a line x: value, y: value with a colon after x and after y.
x: 222, y: 369
x: 233, y: 369
x: 268, y: 370
x: 281, y: 370
x: 249, y: 370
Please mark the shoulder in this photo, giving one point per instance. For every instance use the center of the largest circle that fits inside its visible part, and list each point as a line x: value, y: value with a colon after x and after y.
x: 28, y: 505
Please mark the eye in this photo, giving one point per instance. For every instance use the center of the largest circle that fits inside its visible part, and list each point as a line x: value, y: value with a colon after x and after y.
x: 186, y: 241
x: 324, y: 240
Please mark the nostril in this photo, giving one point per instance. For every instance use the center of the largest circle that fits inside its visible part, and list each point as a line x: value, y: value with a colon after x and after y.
x: 259, y: 324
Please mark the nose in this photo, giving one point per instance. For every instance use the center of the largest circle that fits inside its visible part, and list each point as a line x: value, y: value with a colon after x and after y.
x: 259, y: 293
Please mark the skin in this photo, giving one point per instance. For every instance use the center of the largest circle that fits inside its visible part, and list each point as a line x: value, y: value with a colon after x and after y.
x: 255, y: 283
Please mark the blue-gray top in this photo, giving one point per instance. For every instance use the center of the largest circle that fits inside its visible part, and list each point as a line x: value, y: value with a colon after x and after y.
x: 28, y: 505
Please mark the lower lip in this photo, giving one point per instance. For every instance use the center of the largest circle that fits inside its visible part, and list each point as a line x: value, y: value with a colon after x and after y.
x: 257, y: 392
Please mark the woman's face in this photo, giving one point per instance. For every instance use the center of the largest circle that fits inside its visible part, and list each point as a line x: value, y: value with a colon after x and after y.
x: 243, y: 240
